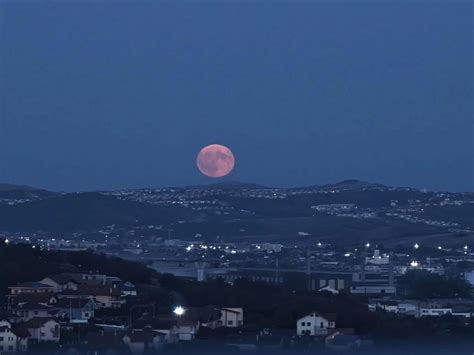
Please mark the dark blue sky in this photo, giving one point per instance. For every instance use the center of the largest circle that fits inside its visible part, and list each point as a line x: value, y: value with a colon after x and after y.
x: 108, y: 94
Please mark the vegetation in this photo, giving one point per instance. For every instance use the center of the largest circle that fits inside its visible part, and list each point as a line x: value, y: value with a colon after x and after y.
x: 421, y: 284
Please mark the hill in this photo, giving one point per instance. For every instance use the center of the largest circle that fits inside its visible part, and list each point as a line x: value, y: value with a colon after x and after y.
x: 347, y: 212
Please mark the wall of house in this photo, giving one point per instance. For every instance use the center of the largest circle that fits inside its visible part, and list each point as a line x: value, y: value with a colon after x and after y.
x: 232, y: 319
x: 7, y: 341
x: 50, y: 331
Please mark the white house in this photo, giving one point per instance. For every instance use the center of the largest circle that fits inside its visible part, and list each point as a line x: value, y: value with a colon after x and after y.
x: 232, y: 317
x: 12, y: 339
x: 315, y: 324
x: 43, y: 329
x: 8, y: 339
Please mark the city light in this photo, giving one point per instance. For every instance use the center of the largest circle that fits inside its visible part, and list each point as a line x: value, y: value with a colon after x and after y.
x: 179, y: 311
x: 416, y: 246
x: 414, y: 263
x: 367, y: 245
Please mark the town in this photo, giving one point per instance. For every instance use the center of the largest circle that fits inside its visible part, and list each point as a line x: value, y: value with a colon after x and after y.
x: 92, y: 311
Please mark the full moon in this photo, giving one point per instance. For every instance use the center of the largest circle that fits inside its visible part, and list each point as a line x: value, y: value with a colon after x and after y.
x: 215, y: 160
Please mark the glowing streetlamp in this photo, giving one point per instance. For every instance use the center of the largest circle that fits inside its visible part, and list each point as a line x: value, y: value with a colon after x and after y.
x: 179, y: 311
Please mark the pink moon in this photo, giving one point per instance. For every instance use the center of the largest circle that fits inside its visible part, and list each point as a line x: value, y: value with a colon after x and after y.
x: 215, y: 160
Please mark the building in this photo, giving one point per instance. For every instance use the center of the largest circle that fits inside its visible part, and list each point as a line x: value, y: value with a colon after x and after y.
x: 8, y: 339
x: 42, y: 329
x: 27, y: 311
x: 371, y: 288
x: 75, y: 310
x: 103, y: 296
x: 60, y: 282
x: 315, y: 324
x: 30, y: 287
x: 231, y: 317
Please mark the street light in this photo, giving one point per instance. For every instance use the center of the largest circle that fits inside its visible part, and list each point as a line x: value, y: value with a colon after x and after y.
x: 416, y: 246
x: 179, y: 311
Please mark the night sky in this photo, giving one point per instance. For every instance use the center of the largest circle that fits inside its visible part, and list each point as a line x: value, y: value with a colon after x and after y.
x: 109, y: 94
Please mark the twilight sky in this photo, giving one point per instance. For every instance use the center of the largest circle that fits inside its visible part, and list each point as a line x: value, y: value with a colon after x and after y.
x: 115, y: 94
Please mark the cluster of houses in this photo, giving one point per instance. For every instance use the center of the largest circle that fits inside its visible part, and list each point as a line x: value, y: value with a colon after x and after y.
x: 36, y: 311
x: 432, y: 308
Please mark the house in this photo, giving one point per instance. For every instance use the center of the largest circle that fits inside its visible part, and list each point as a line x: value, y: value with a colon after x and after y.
x: 127, y: 288
x: 208, y: 316
x: 43, y: 329
x: 46, y: 298
x: 8, y: 339
x: 12, y: 339
x: 103, y: 296
x: 75, y: 309
x: 232, y: 317
x: 465, y: 312
x: 26, y: 311
x: 167, y: 326
x: 174, y: 328
x: 30, y: 287
x: 60, y: 282
x: 316, y: 324
x: 144, y: 341
x: 91, y: 278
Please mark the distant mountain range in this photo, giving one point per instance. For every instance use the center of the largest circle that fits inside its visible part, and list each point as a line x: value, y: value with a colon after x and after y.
x: 346, y: 212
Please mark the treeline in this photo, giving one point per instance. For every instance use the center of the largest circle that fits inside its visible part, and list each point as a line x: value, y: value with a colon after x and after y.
x: 421, y: 284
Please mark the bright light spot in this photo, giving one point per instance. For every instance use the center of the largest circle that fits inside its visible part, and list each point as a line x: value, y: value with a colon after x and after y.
x: 465, y: 247
x: 319, y: 244
x: 416, y: 246
x: 414, y: 263
x: 179, y: 311
x: 7, y: 241
x: 188, y: 249
x: 440, y: 248
x: 367, y: 245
